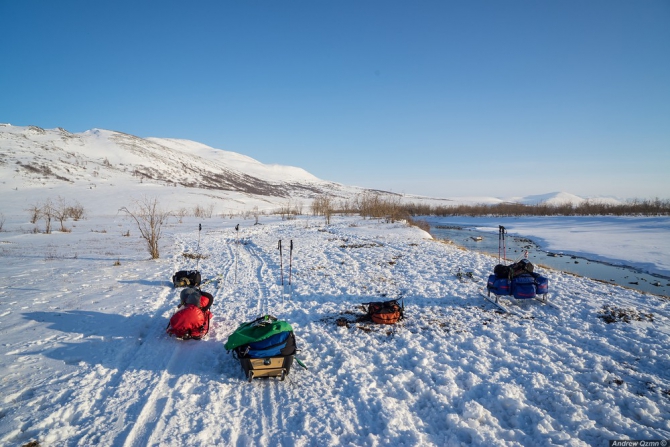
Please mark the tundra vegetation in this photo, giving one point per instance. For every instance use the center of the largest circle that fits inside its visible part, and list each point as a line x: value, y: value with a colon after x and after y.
x: 150, y: 218
x: 55, y: 210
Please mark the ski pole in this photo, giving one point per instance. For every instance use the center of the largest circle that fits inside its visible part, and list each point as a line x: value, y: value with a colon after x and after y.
x: 281, y: 263
x: 501, y: 243
x: 290, y: 262
x: 197, y: 250
x: 237, y: 248
x: 504, y: 245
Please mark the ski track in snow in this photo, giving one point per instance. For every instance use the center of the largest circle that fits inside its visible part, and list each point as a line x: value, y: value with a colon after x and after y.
x: 87, y: 361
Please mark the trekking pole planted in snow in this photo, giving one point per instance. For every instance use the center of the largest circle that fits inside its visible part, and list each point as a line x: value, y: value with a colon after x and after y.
x: 501, y: 243
x: 237, y: 248
x: 281, y: 263
x: 197, y: 250
x: 290, y: 262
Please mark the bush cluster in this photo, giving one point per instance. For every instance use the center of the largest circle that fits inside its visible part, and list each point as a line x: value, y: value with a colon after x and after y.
x: 55, y: 210
x: 636, y: 207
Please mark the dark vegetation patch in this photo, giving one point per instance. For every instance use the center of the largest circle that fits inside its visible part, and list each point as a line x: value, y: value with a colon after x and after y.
x: 194, y: 256
x: 367, y: 245
x: 613, y: 314
x: 41, y: 169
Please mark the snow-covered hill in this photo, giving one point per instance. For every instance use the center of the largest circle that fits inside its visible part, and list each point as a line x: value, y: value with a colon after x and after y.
x: 561, y: 198
x: 102, y: 169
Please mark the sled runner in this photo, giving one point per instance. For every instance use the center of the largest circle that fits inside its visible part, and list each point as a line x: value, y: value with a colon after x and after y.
x: 265, y: 347
x: 192, y: 320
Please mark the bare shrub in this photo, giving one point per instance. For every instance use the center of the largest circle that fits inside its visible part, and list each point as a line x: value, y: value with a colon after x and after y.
x: 285, y: 210
x: 35, y: 213
x: 198, y: 211
x: 323, y: 205
x: 47, y: 212
x: 75, y: 211
x: 422, y: 224
x: 203, y: 212
x: 290, y: 209
x: 297, y: 208
x: 635, y: 207
x: 181, y: 213
x: 375, y: 205
x: 60, y: 213
x: 256, y: 214
x: 150, y: 219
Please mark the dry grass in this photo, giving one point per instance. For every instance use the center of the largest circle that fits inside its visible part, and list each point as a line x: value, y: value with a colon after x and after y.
x: 613, y: 314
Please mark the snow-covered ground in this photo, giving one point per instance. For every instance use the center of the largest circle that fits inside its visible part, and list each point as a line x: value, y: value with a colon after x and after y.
x: 85, y: 359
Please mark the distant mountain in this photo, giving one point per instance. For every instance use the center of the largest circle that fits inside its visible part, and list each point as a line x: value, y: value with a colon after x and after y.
x: 561, y: 198
x: 56, y: 162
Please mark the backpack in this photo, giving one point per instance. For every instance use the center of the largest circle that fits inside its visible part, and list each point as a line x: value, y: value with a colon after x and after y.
x: 541, y: 283
x: 501, y: 271
x: 191, y: 295
x: 192, y: 320
x: 264, y: 335
x: 522, y: 267
x: 523, y: 286
x: 498, y: 285
x: 385, y: 312
x: 186, y: 278
x: 189, y: 323
x: 278, y: 345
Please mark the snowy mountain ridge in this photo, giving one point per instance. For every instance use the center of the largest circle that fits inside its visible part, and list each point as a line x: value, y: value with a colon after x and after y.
x: 103, y: 169
x: 40, y: 162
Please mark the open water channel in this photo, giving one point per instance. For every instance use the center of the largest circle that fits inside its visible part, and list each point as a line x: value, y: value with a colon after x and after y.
x: 486, y: 242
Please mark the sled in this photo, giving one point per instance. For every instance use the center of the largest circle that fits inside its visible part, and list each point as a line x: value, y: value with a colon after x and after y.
x: 496, y: 289
x: 266, y: 367
x: 515, y: 282
x: 265, y: 347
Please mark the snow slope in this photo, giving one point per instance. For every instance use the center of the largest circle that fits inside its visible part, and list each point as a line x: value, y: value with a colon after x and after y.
x: 86, y: 360
x: 104, y: 170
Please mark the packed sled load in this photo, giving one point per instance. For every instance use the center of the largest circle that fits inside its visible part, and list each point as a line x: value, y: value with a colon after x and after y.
x: 517, y: 280
x: 192, y: 320
x: 186, y: 278
x: 265, y: 347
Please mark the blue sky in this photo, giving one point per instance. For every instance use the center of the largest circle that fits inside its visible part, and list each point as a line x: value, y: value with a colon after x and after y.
x: 441, y: 98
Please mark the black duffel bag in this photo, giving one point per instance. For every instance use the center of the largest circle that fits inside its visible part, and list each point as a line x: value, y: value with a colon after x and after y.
x: 186, y: 278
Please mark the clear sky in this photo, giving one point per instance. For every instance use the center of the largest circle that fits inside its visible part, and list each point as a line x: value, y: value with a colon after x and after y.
x: 442, y: 98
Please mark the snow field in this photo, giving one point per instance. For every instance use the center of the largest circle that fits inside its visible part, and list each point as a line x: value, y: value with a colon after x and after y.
x: 86, y: 360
